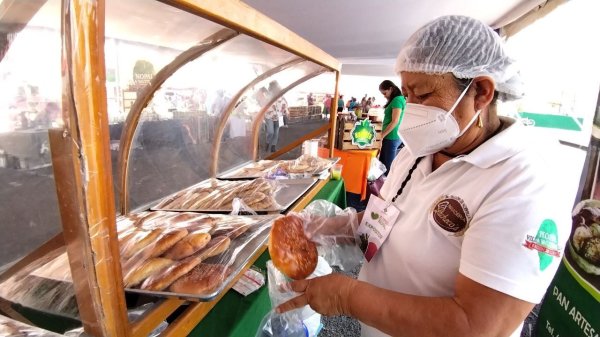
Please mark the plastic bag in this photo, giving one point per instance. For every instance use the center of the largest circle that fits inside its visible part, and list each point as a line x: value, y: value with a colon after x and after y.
x: 334, y: 232
x: 287, y: 324
x: 277, y: 172
x: 239, y: 207
x: 217, y: 195
x: 305, y: 166
x: 254, y: 170
x: 376, y: 170
x: 374, y: 187
x: 300, y: 322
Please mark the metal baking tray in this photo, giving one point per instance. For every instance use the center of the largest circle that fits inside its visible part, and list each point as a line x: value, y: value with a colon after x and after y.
x: 289, y: 192
x: 238, y: 254
x: 233, y: 174
x: 241, y: 251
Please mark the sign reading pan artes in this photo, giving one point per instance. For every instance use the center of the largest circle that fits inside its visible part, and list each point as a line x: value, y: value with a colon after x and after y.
x: 572, y: 303
x: 363, y: 134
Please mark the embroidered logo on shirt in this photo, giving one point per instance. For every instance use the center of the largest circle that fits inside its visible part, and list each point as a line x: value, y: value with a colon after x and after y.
x: 451, y: 213
x: 545, y: 242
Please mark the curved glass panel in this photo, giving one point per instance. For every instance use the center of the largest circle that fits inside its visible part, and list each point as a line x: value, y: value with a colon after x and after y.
x: 236, y: 144
x: 141, y: 38
x: 298, y: 117
x: 173, y: 142
x: 30, y: 106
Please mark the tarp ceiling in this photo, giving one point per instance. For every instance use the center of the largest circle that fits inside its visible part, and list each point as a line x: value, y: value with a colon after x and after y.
x: 367, y: 35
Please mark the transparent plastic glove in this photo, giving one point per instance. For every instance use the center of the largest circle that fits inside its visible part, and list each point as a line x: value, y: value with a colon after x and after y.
x: 333, y: 230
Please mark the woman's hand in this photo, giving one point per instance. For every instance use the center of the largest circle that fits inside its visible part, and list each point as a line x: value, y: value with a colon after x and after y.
x: 327, y: 295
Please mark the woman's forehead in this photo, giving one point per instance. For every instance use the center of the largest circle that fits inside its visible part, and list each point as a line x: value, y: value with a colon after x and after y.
x: 411, y: 80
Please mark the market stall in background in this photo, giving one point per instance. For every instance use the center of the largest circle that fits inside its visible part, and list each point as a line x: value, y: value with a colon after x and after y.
x: 144, y: 144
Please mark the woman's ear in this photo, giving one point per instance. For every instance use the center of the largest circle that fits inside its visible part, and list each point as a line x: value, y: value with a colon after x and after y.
x: 484, y: 91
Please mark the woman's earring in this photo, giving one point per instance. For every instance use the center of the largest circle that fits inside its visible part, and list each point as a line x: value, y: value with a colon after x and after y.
x: 480, y: 122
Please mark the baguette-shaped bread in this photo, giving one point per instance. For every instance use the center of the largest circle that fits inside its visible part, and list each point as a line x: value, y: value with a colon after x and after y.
x: 202, y: 280
x: 167, y: 241
x: 167, y: 276
x: 188, y: 245
x: 150, y: 267
x: 138, y: 241
x: 216, y: 246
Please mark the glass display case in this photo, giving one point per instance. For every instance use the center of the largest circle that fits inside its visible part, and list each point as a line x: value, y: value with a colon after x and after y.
x: 111, y: 105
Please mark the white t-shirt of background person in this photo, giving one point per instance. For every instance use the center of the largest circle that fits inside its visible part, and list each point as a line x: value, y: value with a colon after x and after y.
x: 481, y: 215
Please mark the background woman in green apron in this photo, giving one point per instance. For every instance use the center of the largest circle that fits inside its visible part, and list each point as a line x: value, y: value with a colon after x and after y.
x: 394, y: 108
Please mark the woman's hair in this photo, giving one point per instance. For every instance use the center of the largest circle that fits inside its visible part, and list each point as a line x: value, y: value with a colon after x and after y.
x: 386, y: 85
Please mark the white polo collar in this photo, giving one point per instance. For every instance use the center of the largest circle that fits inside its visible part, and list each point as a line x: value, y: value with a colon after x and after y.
x: 509, y: 142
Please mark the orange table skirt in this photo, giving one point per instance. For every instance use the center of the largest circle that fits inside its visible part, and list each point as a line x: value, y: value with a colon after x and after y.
x: 356, y: 165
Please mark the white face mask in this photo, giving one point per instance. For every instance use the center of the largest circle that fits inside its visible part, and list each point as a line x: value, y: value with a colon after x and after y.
x: 427, y: 129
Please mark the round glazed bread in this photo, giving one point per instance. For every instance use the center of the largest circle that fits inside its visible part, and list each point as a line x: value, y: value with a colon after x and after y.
x: 291, y: 251
x: 203, y: 279
x: 188, y: 245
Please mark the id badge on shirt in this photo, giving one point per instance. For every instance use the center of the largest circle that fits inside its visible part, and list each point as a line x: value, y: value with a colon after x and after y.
x: 377, y: 222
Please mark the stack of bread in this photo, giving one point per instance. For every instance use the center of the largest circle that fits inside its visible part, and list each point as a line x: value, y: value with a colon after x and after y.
x: 218, y: 195
x: 253, y: 170
x: 168, y: 251
x: 306, y: 164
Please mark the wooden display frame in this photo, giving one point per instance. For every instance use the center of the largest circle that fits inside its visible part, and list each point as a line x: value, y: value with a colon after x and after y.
x: 82, y: 164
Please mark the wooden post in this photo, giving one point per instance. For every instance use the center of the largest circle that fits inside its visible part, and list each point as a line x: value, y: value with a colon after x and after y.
x: 83, y: 173
x: 333, y: 115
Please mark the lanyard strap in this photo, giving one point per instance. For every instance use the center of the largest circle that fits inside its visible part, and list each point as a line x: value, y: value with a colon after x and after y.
x: 407, y: 178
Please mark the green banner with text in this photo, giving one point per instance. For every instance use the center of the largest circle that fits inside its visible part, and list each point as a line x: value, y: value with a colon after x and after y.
x: 572, y: 304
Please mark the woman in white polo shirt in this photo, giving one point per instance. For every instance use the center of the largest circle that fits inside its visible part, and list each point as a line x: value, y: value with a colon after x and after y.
x: 479, y: 233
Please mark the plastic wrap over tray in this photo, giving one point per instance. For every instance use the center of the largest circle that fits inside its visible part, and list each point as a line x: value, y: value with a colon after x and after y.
x: 303, y: 167
x: 12, y: 328
x: 185, y: 255
x: 261, y: 195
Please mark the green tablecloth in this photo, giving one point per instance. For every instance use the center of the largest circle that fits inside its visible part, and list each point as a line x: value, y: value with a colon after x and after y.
x: 333, y: 191
x: 239, y: 316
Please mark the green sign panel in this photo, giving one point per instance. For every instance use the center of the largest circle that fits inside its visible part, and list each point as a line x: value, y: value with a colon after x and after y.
x: 363, y: 134
x: 572, y: 304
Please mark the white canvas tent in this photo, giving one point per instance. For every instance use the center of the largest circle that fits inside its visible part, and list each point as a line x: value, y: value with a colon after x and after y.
x: 366, y: 35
